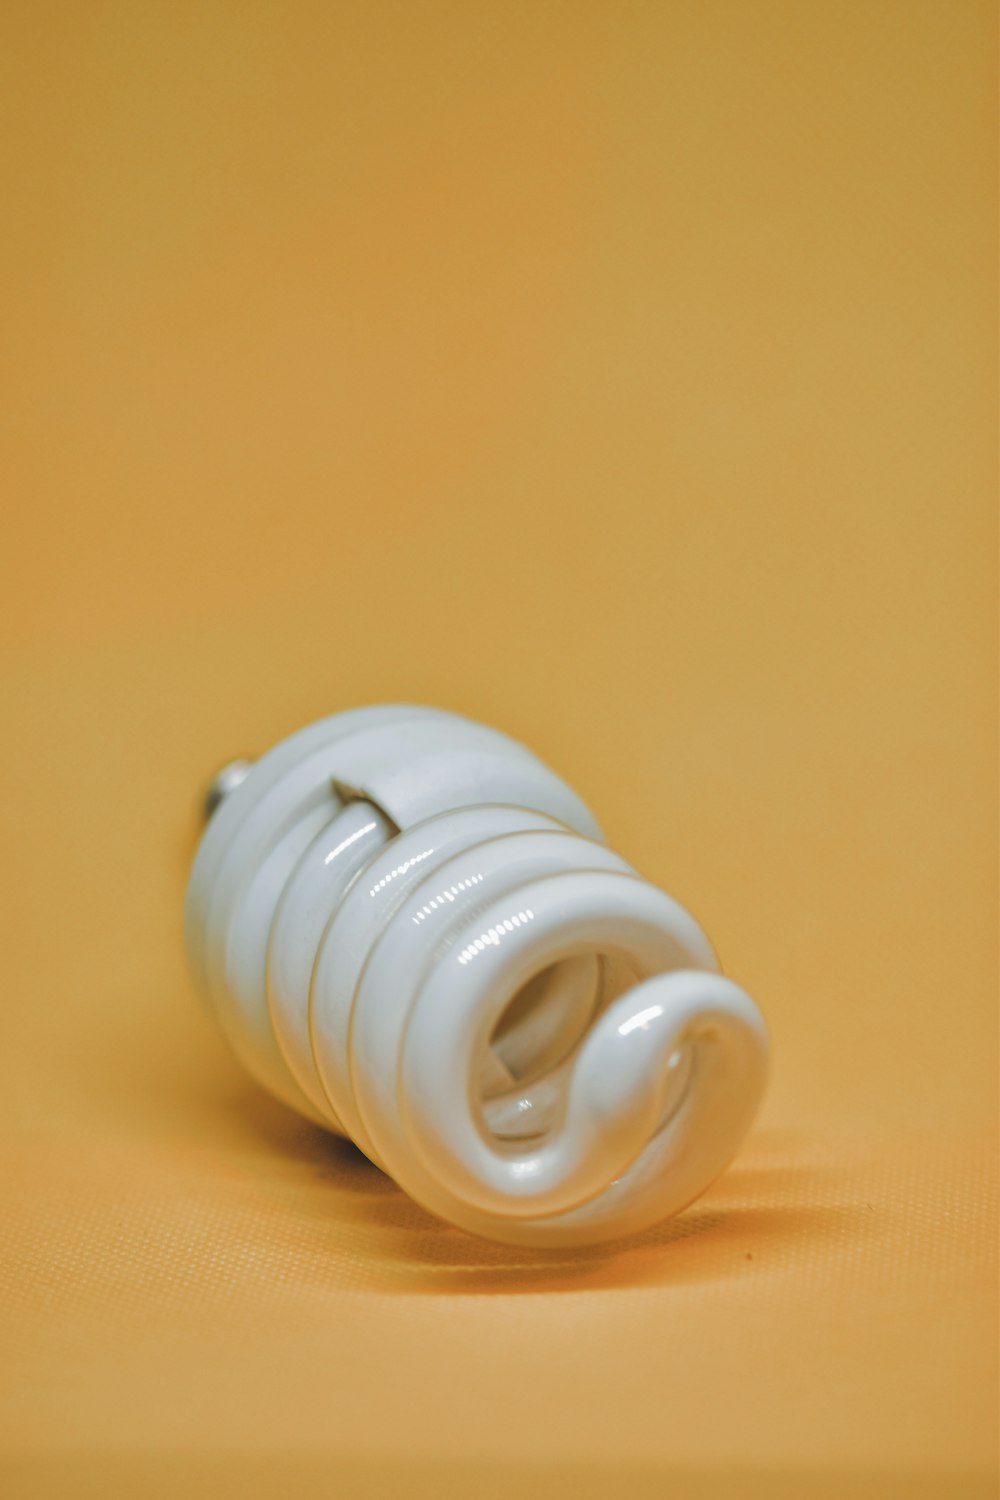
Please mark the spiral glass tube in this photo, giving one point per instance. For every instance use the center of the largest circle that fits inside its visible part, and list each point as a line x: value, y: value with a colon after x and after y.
x: 411, y: 931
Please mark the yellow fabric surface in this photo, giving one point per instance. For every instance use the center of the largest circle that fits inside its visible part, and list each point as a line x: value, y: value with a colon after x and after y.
x: 623, y: 375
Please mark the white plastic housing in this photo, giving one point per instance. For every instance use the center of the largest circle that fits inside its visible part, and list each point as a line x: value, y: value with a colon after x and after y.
x: 410, y: 930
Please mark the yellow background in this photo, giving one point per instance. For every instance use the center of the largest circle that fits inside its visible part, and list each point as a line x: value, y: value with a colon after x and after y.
x: 622, y: 374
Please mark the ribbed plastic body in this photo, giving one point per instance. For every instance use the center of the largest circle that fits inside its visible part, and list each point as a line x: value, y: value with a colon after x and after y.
x: 410, y: 930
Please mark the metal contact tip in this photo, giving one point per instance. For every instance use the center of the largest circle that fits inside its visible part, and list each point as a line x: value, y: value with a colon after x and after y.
x: 226, y: 781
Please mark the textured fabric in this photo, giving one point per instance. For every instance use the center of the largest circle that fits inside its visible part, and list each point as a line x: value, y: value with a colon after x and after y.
x: 622, y: 375
x: 238, y: 1284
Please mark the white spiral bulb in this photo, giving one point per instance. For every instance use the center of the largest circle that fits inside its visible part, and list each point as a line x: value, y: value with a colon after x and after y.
x: 410, y: 930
